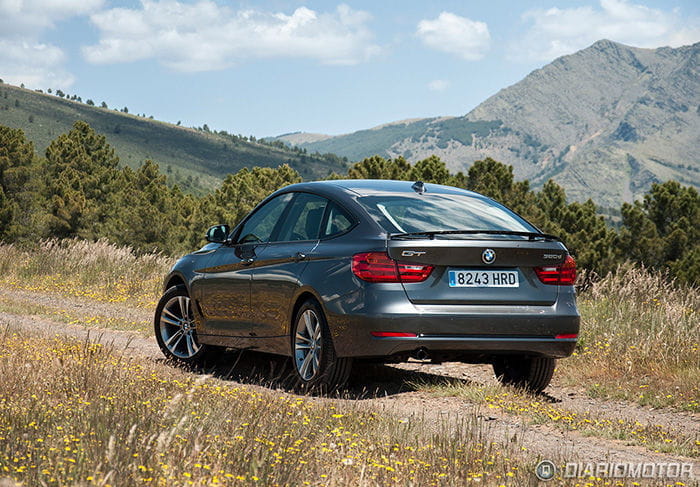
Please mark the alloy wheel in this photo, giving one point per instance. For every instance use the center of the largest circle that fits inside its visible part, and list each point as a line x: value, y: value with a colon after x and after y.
x: 178, y: 328
x: 307, y: 345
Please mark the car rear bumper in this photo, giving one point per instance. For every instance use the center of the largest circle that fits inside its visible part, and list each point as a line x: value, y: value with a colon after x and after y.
x: 431, y: 345
x: 475, y: 330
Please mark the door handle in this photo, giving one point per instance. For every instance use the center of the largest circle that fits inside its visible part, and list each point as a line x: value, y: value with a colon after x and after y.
x: 299, y: 256
x: 247, y: 261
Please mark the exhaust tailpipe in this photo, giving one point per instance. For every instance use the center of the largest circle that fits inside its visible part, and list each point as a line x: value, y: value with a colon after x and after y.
x: 421, y: 354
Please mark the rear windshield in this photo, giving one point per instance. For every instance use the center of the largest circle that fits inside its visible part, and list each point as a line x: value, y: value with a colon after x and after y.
x: 441, y: 212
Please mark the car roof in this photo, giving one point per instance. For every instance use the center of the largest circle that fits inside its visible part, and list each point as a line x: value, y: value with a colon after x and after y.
x: 368, y: 187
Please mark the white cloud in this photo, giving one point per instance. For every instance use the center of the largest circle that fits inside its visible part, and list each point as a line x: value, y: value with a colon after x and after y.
x: 438, y: 85
x: 205, y: 36
x: 556, y: 31
x: 36, y: 65
x: 23, y: 57
x: 30, y: 17
x: 468, y: 39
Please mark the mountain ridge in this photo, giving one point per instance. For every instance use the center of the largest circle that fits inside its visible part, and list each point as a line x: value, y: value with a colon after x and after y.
x: 604, y: 122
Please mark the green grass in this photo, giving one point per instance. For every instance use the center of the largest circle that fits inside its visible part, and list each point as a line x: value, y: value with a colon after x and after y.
x: 204, y: 157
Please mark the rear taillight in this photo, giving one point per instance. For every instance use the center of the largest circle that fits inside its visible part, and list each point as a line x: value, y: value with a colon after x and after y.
x: 563, y: 275
x: 379, y: 267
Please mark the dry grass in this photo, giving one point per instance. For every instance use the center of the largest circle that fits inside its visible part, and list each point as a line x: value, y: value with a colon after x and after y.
x: 536, y: 409
x: 639, y: 337
x: 94, y: 270
x: 77, y: 413
x: 639, y: 341
x: 57, y: 312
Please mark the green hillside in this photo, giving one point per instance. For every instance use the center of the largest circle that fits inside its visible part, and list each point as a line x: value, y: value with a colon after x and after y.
x: 366, y: 143
x: 196, y: 159
x: 386, y: 140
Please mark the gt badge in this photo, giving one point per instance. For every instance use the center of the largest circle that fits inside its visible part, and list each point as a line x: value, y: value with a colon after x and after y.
x: 412, y: 253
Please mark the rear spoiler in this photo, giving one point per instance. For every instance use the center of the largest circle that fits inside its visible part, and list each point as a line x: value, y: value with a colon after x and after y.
x: 431, y: 234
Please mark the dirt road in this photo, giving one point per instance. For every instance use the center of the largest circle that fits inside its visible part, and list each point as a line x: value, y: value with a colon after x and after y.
x: 390, y: 389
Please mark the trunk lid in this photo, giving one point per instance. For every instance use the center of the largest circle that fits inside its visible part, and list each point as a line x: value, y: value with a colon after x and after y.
x: 480, y: 271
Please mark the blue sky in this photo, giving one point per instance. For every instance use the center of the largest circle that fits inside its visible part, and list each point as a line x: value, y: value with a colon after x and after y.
x: 271, y: 67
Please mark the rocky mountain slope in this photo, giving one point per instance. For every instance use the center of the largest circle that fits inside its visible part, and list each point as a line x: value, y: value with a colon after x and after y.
x: 605, y: 122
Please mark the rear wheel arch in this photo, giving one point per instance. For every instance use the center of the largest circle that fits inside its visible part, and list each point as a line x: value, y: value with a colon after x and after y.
x: 313, y: 350
x: 301, y: 298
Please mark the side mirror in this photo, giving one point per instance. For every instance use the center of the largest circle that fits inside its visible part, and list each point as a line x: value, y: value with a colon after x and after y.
x: 217, y: 233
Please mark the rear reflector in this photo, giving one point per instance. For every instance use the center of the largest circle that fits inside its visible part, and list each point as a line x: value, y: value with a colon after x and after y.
x: 393, y: 334
x: 564, y: 336
x: 563, y: 275
x: 379, y: 267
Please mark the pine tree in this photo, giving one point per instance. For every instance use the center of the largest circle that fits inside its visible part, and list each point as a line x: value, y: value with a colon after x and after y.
x: 662, y: 231
x: 20, y: 204
x: 81, y: 169
x: 377, y: 167
x: 430, y: 170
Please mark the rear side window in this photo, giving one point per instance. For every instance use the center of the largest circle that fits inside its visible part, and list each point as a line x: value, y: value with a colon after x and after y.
x: 303, y: 220
x: 441, y: 212
x: 338, y: 221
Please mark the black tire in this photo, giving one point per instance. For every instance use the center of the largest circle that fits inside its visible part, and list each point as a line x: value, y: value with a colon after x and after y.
x: 531, y: 373
x: 315, y: 365
x: 176, y: 329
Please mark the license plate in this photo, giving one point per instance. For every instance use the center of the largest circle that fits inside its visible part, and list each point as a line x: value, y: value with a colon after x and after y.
x: 483, y: 278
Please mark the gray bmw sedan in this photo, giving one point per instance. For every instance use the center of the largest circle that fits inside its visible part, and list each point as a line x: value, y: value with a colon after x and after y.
x: 334, y: 271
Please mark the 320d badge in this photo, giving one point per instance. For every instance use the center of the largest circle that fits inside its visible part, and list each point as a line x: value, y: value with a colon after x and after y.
x: 331, y: 272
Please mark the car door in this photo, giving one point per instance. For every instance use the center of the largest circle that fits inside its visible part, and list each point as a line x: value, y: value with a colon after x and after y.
x: 223, y: 291
x: 279, y: 267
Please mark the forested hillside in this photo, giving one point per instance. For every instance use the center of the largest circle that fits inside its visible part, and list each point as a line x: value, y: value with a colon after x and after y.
x: 197, y: 159
x: 79, y: 189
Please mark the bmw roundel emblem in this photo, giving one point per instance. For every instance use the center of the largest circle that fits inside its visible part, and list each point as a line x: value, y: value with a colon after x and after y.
x: 488, y: 256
